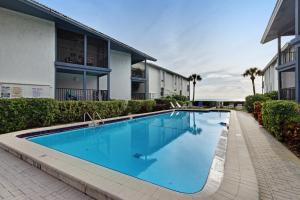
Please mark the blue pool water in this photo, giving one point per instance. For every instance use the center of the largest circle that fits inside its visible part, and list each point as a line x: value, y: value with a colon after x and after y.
x: 172, y: 150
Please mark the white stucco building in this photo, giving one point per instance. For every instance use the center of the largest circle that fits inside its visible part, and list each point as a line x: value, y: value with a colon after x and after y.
x: 163, y: 82
x: 44, y: 54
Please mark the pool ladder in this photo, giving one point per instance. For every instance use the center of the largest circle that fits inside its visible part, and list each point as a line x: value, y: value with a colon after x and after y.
x: 92, y: 119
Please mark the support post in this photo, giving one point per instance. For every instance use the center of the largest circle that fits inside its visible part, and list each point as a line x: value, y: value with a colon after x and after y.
x: 147, y: 81
x: 84, y: 85
x: 279, y: 63
x: 85, y: 51
x: 297, y: 50
x: 109, y: 67
x: 85, y: 63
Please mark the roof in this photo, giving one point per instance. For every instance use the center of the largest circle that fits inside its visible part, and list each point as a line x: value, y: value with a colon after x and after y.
x: 167, y: 70
x: 39, y: 10
x: 275, y: 57
x: 282, y: 21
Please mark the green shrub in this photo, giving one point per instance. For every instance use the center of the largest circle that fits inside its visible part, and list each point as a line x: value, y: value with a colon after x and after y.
x: 250, y: 100
x: 73, y: 111
x: 140, y: 106
x: 272, y: 95
x: 18, y: 114
x: 180, y: 98
x: 276, y: 114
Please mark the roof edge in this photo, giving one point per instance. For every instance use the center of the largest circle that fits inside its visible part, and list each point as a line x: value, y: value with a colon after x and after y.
x: 271, y: 21
x: 74, y: 22
x: 167, y: 70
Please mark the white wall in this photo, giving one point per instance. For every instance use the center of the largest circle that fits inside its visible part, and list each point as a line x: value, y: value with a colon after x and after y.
x: 75, y: 81
x: 120, y: 78
x: 27, y: 50
x: 154, y: 81
x: 271, y: 78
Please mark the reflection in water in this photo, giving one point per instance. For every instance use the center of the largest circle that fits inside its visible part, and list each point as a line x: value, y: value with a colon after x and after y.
x: 167, y: 149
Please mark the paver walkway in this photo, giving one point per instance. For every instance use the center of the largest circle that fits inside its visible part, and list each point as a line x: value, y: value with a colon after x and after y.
x: 19, y: 180
x: 277, y: 169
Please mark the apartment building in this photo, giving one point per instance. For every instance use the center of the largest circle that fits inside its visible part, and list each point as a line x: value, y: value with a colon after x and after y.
x: 285, y: 21
x: 151, y: 81
x: 44, y: 54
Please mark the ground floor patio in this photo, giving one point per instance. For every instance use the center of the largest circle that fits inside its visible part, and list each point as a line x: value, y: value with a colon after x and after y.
x: 257, y: 166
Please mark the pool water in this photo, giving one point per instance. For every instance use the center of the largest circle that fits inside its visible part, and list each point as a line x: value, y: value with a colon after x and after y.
x: 173, y: 150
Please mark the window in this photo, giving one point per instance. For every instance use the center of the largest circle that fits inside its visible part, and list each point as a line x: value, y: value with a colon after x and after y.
x: 70, y: 47
x: 97, y: 52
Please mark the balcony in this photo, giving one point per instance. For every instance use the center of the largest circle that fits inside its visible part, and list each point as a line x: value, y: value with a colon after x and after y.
x: 69, y: 94
x: 288, y: 93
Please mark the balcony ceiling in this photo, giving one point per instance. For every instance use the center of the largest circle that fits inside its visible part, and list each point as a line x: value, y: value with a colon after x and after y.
x: 36, y: 9
x: 282, y: 21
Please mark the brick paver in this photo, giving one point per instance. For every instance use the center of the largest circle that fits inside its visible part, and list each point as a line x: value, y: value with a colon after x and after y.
x: 19, y: 180
x: 277, y: 169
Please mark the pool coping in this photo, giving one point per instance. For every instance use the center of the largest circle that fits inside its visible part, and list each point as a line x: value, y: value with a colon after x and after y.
x: 103, y: 183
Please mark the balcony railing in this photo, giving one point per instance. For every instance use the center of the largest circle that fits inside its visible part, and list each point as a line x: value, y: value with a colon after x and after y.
x: 69, y: 94
x: 288, y: 93
x: 288, y: 57
x: 138, y: 96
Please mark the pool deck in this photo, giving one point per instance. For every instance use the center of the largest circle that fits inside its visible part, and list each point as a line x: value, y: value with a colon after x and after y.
x: 256, y: 167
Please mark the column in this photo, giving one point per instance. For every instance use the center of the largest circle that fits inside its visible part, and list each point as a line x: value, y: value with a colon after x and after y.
x: 279, y: 63
x: 297, y: 50
x: 84, y: 85
x: 108, y: 66
x: 147, y: 81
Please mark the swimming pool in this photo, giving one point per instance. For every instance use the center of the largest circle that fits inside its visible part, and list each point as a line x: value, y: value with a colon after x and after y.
x: 173, y: 150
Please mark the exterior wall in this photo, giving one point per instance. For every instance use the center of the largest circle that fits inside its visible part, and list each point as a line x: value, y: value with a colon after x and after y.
x: 271, y: 78
x: 27, y: 54
x: 169, y: 88
x: 75, y: 81
x: 185, y: 88
x: 172, y: 83
x: 120, y: 76
x: 154, y: 82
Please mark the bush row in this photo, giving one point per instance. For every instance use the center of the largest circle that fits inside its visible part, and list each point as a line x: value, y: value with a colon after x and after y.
x: 252, y: 99
x: 278, y: 115
x: 20, y: 114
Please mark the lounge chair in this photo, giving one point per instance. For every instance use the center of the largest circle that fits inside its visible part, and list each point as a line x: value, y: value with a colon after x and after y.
x: 178, y: 105
x: 172, y: 105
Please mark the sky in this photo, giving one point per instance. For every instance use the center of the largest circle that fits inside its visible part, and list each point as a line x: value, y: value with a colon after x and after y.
x: 218, y: 39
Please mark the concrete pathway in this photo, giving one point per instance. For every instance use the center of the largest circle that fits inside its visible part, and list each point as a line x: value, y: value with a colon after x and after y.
x: 19, y: 180
x: 277, y: 169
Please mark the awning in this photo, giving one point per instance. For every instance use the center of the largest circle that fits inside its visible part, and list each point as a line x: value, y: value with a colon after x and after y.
x: 282, y: 21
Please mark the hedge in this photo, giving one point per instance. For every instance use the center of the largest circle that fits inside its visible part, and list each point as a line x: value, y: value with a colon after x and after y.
x: 250, y: 100
x: 140, y: 106
x: 20, y: 114
x: 277, y: 114
x: 272, y: 95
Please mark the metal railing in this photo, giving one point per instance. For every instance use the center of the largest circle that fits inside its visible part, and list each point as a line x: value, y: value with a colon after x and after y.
x: 138, y: 96
x: 288, y: 57
x: 288, y: 93
x: 92, y: 119
x: 67, y: 94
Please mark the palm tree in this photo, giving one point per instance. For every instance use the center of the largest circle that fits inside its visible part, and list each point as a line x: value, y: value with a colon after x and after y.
x: 253, y: 72
x: 194, y: 78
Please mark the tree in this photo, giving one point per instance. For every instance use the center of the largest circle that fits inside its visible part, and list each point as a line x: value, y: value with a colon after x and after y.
x: 194, y: 78
x: 253, y: 73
